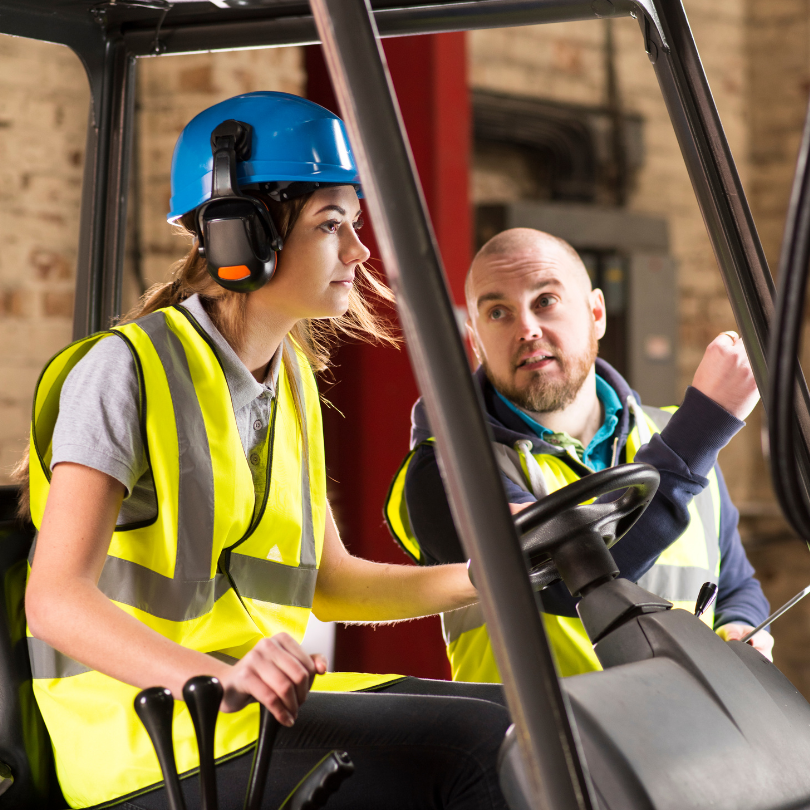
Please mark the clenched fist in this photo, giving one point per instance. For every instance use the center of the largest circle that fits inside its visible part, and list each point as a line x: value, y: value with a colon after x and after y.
x: 725, y: 375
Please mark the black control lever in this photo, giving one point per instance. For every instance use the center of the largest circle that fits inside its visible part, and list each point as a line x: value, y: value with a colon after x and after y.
x: 268, y: 728
x: 314, y: 790
x: 155, y: 708
x: 202, y: 695
x: 708, y: 591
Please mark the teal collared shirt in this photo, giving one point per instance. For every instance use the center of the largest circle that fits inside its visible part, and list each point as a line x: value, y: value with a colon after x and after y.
x: 598, y: 454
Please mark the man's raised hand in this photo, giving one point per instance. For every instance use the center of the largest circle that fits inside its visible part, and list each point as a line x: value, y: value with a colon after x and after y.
x: 725, y: 375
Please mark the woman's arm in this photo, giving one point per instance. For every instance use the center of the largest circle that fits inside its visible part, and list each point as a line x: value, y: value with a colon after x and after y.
x: 350, y: 589
x: 66, y: 609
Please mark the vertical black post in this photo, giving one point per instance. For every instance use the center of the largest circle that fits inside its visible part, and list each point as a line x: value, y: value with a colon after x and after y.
x: 103, y: 217
x: 547, y: 738
x: 720, y: 195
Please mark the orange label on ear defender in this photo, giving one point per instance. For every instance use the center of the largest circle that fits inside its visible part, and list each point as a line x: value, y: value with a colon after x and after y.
x: 235, y: 273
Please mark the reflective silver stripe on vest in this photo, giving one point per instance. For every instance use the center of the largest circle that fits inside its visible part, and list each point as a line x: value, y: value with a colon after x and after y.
x: 676, y: 583
x: 269, y: 581
x: 308, y: 556
x: 705, y: 509
x: 195, y: 507
x: 177, y: 600
x: 456, y: 622
x: 46, y: 662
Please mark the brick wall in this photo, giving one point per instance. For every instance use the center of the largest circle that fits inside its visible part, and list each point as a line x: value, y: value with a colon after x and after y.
x: 44, y: 100
x: 43, y: 119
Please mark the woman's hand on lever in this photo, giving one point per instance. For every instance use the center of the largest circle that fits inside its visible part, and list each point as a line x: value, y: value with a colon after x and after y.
x: 276, y: 672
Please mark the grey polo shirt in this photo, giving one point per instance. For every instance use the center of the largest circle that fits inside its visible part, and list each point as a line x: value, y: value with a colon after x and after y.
x: 99, y: 425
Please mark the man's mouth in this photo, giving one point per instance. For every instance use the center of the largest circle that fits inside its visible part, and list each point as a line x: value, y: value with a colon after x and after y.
x: 535, y: 360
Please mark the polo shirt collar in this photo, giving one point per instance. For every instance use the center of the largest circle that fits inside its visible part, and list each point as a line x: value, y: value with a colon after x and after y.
x: 242, y: 384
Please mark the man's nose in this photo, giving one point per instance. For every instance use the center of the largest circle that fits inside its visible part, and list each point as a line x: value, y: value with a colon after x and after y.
x: 530, y: 328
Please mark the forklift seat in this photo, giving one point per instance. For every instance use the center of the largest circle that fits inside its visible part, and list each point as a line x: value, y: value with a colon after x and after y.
x: 27, y: 773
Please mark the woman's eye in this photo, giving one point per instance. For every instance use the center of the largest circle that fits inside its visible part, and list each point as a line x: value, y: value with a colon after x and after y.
x: 331, y: 226
x: 358, y: 223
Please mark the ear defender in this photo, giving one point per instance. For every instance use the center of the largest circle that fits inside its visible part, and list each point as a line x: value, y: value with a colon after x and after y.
x: 236, y: 233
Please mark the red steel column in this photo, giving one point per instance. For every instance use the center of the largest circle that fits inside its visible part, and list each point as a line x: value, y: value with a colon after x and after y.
x: 374, y: 387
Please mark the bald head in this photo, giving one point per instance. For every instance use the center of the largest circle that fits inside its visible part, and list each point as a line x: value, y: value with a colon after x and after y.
x: 516, y: 246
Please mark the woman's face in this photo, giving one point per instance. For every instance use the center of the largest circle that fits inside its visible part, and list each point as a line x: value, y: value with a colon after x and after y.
x: 316, y: 267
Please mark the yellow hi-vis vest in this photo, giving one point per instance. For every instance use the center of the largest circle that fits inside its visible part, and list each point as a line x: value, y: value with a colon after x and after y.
x: 694, y: 558
x: 216, y: 570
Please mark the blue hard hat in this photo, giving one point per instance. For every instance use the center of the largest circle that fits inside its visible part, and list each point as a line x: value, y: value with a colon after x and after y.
x: 294, y: 140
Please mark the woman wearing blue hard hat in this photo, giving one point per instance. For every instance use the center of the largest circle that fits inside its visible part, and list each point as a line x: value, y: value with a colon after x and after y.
x: 177, y: 481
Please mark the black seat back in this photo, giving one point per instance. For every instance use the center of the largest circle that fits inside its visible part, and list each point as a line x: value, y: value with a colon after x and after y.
x: 25, y: 748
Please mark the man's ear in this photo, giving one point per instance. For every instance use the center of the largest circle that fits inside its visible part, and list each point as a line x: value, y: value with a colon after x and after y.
x: 598, y: 312
x: 473, y: 340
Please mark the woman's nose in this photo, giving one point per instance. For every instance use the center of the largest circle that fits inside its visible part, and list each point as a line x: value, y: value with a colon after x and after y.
x: 353, y: 251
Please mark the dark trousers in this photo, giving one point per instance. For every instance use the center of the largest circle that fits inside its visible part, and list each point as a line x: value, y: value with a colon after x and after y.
x: 415, y: 744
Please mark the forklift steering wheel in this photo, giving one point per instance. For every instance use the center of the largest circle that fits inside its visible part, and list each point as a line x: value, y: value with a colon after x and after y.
x: 552, y: 523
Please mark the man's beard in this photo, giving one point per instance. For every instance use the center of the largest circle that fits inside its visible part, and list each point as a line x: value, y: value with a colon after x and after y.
x: 540, y: 394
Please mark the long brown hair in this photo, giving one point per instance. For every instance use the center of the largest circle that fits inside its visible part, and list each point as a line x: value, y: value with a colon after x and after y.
x: 314, y: 338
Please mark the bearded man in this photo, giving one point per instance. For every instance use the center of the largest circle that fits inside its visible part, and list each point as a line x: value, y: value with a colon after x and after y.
x: 557, y: 412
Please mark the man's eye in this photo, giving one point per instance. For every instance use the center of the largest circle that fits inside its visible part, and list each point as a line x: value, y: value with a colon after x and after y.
x: 546, y: 300
x: 496, y: 314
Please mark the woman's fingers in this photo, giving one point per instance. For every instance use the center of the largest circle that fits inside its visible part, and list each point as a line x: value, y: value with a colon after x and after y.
x: 321, y: 663
x: 277, y: 673
x: 293, y: 674
x: 268, y: 697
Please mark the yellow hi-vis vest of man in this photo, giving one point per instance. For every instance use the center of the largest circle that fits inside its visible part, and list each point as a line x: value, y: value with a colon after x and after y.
x: 694, y: 558
x: 217, y: 569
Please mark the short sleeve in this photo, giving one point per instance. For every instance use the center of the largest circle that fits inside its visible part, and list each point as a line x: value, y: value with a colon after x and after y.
x: 99, y: 422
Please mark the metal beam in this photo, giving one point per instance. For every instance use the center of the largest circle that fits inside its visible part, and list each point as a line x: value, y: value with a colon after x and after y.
x: 719, y: 193
x: 465, y: 16
x: 103, y: 216
x: 545, y: 728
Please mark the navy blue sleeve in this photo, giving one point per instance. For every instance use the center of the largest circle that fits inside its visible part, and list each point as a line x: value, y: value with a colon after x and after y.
x: 683, y: 453
x: 739, y: 594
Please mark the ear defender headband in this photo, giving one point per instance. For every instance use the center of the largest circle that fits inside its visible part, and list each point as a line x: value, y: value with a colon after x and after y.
x: 236, y: 233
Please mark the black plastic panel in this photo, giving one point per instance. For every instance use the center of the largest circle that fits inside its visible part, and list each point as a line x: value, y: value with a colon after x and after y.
x: 24, y: 744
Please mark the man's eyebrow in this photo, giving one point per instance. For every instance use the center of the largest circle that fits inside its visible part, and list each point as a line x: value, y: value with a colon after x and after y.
x: 499, y: 296
x: 490, y: 296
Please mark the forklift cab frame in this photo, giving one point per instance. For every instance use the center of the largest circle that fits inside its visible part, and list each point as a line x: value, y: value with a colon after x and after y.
x: 109, y: 36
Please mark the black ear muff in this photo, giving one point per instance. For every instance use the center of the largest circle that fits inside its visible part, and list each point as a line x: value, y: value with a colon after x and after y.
x: 236, y: 233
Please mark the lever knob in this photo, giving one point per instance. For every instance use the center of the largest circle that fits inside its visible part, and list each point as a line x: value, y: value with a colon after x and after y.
x: 314, y: 790
x: 155, y: 708
x: 203, y: 695
x: 708, y: 591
